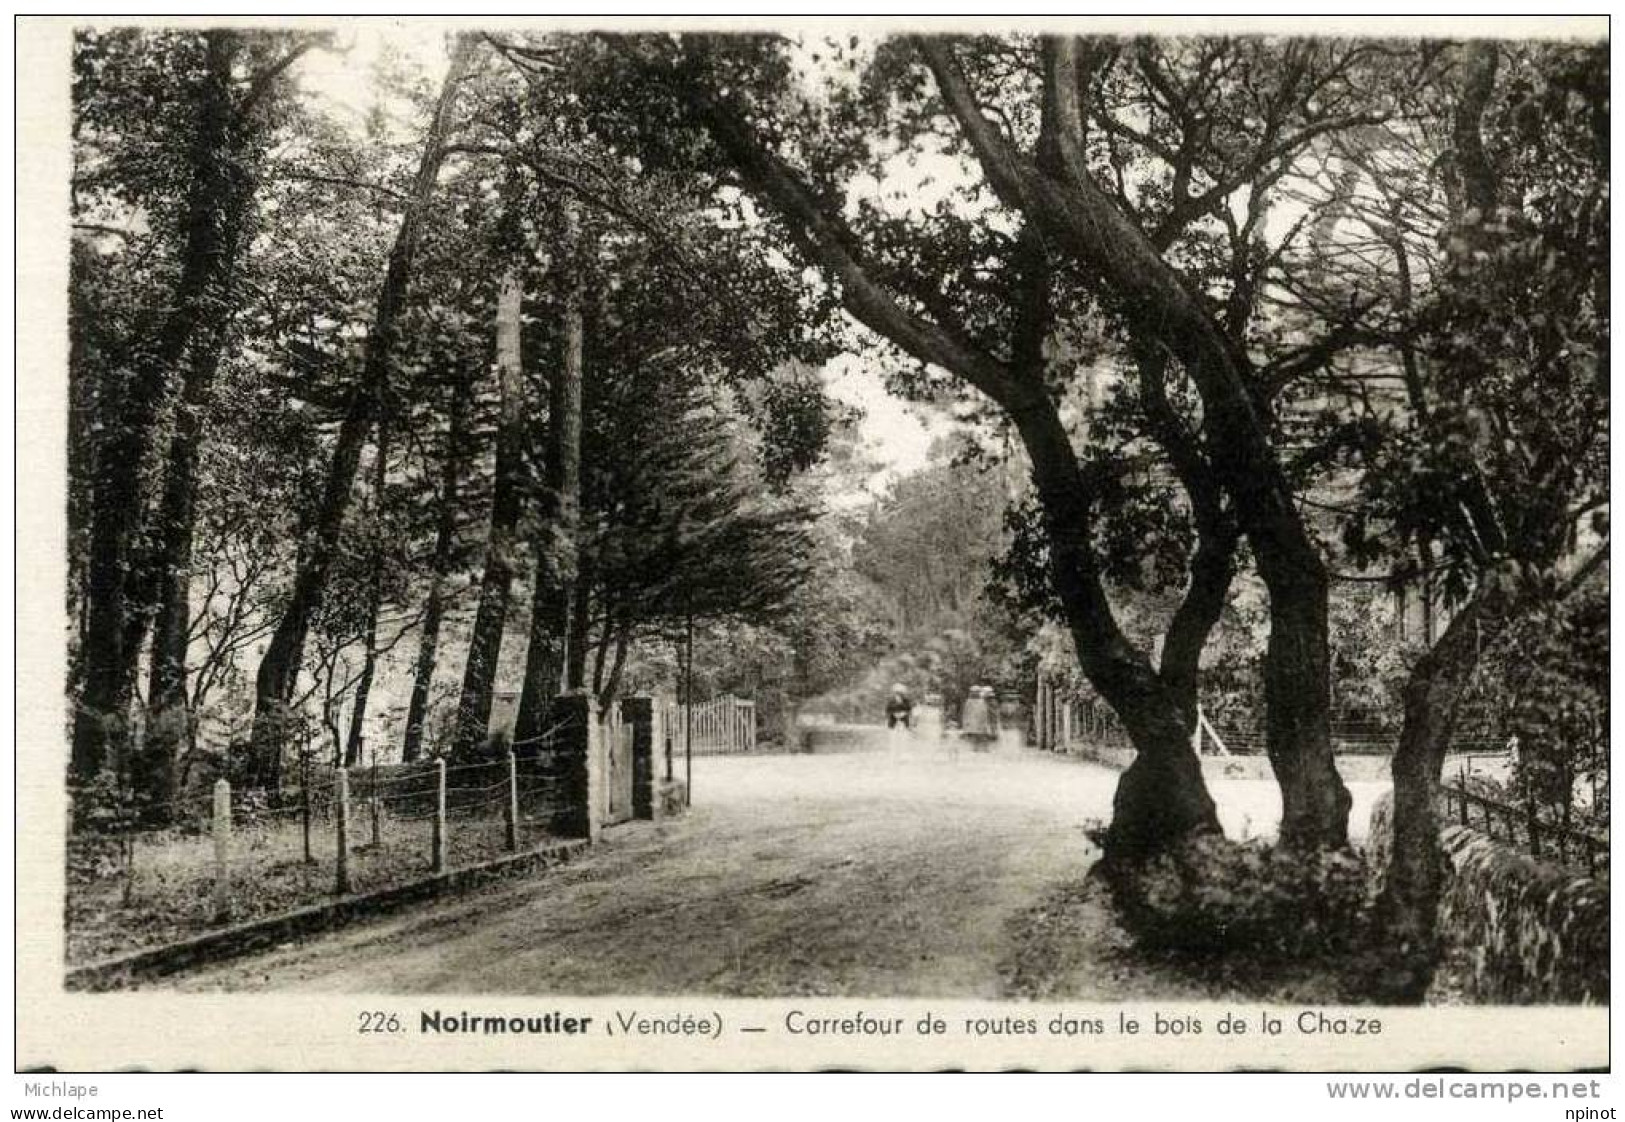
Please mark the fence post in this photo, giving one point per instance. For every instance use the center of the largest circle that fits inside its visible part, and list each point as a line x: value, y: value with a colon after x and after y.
x: 304, y: 802
x: 1533, y: 816
x: 510, y: 805
x: 373, y: 804
x: 222, y: 849
x: 437, y: 860
x: 1036, y: 725
x: 670, y: 723
x: 341, y: 831
x: 1057, y: 734
x: 1052, y: 718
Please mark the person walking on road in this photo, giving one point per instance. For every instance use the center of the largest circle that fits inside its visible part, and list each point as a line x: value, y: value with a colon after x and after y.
x: 899, y: 716
x: 977, y: 721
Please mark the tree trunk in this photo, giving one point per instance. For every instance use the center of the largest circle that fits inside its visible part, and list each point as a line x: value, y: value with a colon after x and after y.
x: 445, y: 541
x: 1297, y: 700
x: 169, y: 715
x: 1162, y: 797
x: 1212, y: 567
x: 1162, y: 310
x: 1212, y: 570
x: 546, y: 655
x: 330, y: 722
x: 353, y: 744
x: 600, y: 653
x: 279, y: 666
x: 617, y: 669
x: 602, y: 657
x: 580, y: 637
x: 496, y: 583
x: 1408, y: 905
x: 216, y: 199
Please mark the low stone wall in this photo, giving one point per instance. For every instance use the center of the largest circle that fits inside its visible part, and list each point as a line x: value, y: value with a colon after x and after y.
x: 1517, y: 930
x: 1529, y: 931
x: 1353, y: 769
x: 838, y: 738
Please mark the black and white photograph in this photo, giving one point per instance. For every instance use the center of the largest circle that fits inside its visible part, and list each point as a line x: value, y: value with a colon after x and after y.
x: 816, y: 544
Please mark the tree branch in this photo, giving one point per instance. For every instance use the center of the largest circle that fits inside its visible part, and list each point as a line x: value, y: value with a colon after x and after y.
x: 263, y: 79
x: 827, y: 240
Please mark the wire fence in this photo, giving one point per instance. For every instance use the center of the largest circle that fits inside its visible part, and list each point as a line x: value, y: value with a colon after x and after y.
x: 1060, y: 721
x: 1537, y: 827
x: 140, y: 876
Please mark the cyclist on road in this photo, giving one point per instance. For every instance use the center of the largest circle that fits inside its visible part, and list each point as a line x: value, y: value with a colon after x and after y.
x: 899, y: 709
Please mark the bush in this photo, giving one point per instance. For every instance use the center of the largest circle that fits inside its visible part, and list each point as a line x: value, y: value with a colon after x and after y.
x: 1211, y: 896
x: 101, y: 817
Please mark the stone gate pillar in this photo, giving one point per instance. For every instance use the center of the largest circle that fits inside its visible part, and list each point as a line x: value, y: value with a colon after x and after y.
x: 577, y: 743
x: 642, y: 716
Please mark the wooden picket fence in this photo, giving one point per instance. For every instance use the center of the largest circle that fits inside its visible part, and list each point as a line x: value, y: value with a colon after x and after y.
x: 723, y: 726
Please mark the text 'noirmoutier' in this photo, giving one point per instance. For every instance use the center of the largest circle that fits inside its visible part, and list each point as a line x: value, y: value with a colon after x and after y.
x: 474, y: 1024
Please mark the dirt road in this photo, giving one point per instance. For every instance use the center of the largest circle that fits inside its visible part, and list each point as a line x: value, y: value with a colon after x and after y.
x: 862, y: 873
x: 909, y: 872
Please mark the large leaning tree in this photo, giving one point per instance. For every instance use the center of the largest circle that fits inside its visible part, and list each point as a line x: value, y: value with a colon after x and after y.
x: 1061, y: 187
x: 279, y: 667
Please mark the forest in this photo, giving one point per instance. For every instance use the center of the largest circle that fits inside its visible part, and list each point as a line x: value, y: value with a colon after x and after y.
x: 416, y: 377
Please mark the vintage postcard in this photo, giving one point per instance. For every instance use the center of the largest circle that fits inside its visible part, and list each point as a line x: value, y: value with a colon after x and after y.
x: 808, y: 544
